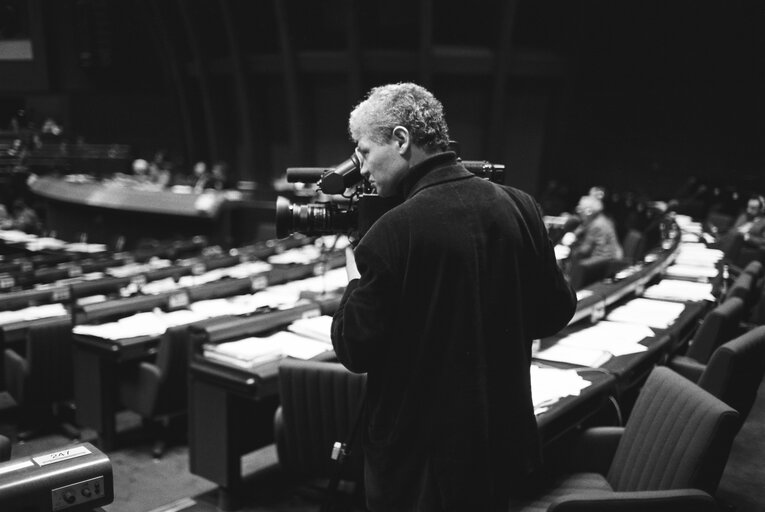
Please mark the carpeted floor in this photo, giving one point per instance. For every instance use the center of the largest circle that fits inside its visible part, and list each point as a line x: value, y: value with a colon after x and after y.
x: 143, y: 484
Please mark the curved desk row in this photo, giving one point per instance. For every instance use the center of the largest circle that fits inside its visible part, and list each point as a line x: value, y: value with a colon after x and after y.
x: 134, y: 213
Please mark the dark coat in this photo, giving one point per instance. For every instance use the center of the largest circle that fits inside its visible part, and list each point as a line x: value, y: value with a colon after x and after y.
x: 455, y: 284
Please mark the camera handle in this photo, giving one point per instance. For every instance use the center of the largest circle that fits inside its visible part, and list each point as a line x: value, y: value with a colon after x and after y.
x: 340, y: 452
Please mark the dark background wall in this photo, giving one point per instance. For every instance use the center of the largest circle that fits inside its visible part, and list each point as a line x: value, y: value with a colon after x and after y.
x: 636, y: 95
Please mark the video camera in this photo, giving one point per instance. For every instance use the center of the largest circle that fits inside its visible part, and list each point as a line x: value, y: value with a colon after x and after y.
x: 358, y: 205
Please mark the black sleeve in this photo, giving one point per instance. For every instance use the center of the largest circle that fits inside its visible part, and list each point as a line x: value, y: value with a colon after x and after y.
x: 555, y: 298
x: 363, y: 323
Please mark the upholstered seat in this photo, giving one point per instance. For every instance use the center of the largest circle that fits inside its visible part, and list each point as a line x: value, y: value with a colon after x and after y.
x: 673, y: 448
x: 319, y: 404
x: 5, y: 448
x: 719, y: 326
x: 158, y: 390
x: 40, y: 378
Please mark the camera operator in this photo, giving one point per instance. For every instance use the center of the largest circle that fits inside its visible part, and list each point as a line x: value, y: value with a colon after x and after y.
x: 446, y: 292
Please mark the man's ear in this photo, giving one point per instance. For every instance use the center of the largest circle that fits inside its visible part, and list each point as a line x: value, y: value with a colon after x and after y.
x: 401, y: 136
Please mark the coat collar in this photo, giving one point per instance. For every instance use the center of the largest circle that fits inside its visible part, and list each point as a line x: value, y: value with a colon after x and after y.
x: 446, y: 168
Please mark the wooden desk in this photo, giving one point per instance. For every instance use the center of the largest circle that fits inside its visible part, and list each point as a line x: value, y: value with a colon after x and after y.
x: 97, y: 363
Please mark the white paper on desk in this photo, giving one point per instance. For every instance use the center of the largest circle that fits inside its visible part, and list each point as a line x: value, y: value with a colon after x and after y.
x: 250, y: 268
x: 14, y: 235
x: 299, y: 255
x: 329, y: 281
x: 579, y: 356
x: 248, y: 349
x: 299, y: 347
x: 659, y: 314
x: 677, y: 289
x: 180, y: 317
x: 318, y: 328
x: 583, y: 294
x: 616, y: 338
x: 282, y: 343
x: 691, y: 271
x: 159, y: 286
x: 284, y: 295
x: 85, y: 247
x: 548, y: 385
x: 141, y: 324
x: 32, y: 313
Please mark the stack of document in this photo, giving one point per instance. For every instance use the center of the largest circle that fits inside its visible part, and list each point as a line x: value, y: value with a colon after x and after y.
x: 304, y: 255
x: 14, y: 235
x: 85, y: 247
x: 596, y: 345
x: 44, y: 243
x: 250, y: 352
x: 548, y: 385
x: 318, y: 328
x: 659, y: 314
x: 32, y: 313
x: 679, y: 290
x: 696, y: 272
x: 152, y: 323
x: 132, y: 269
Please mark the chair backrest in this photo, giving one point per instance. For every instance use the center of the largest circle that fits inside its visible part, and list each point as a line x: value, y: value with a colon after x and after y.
x: 588, y: 271
x: 5, y: 449
x: 173, y: 363
x: 319, y: 404
x: 755, y: 268
x: 678, y: 436
x: 743, y: 288
x: 633, y: 245
x: 719, y: 325
x: 50, y: 360
x: 735, y: 371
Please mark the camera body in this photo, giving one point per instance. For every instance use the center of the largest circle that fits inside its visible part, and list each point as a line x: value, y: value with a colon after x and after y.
x: 355, y: 206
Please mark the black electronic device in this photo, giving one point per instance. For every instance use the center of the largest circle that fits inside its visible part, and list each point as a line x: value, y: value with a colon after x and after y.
x: 351, y: 214
x: 71, y: 479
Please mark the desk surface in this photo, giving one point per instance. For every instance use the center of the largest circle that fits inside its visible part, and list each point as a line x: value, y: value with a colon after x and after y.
x: 115, y: 196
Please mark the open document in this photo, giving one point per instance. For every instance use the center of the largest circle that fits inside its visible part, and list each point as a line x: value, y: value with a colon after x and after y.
x: 597, y: 344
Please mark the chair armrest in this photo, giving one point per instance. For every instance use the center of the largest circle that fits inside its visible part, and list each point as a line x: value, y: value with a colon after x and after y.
x: 279, y: 435
x: 676, y: 500
x: 687, y: 367
x: 594, y: 449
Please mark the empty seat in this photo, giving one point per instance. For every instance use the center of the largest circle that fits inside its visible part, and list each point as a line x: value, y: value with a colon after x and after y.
x: 669, y: 456
x: 719, y: 326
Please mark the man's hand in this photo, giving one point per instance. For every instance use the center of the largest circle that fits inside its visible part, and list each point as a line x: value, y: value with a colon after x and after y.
x: 350, y: 264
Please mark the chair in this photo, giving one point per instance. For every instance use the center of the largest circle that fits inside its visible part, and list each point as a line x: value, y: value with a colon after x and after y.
x: 755, y: 268
x: 735, y: 371
x: 743, y: 287
x: 633, y: 246
x: 157, y: 391
x: 588, y: 271
x: 719, y: 326
x: 319, y: 404
x: 669, y: 456
x: 40, y: 379
x: 5, y: 448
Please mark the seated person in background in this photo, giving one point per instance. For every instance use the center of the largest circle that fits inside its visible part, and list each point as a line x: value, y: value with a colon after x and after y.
x: 753, y: 228
x: 755, y: 210
x: 23, y: 218
x: 202, y: 177
x: 595, y: 238
x: 140, y: 169
x: 748, y: 229
x: 220, y: 176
